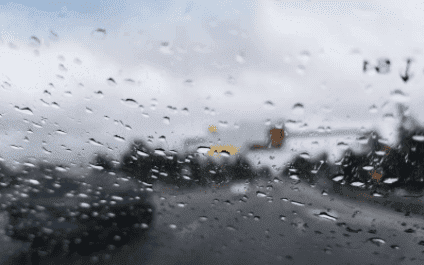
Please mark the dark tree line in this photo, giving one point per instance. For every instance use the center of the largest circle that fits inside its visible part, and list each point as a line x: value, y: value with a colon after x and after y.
x: 187, y: 170
x: 400, y: 166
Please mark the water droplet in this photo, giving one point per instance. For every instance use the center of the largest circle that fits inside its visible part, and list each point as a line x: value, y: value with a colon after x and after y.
x: 162, y: 139
x: 357, y: 184
x: 304, y: 57
x: 62, y: 68
x: 84, y: 205
x: 390, y: 180
x: 305, y: 155
x: 53, y: 36
x: 418, y: 138
x: 373, y: 109
x: 229, y: 93
x: 117, y: 198
x: 61, y: 169
x: 130, y: 102
x: 27, y: 164
x: 166, y: 120
x: 231, y: 228
x: 24, y: 110
x: 300, y: 69
x: 47, y: 231
x: 399, y: 96
x: 203, y: 149
x: 297, y: 203
x: 362, y: 140
x: 34, y: 41
x: 327, y: 216
x: 224, y: 154
x: 203, y: 218
x: 119, y: 138
x: 55, y: 105
x: 94, y: 142
x: 111, y: 215
x: 172, y: 226
x: 189, y: 82
x: 388, y: 117
x: 160, y: 152
x: 34, y: 182
x: 141, y: 153
x: 172, y: 109
x: 375, y: 194
x: 327, y: 250
x: 269, y: 105
x: 410, y: 231
x: 260, y: 194
x: 165, y: 48
x: 77, y: 61
x: 298, y: 109
x: 343, y: 145
x: 153, y: 104
x: 111, y: 81
x: 377, y: 241
x: 294, y: 177
x: 223, y: 123
x: 99, y: 34
x: 338, y: 178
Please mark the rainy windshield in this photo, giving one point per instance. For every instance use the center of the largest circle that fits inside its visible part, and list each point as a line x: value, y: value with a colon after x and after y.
x: 221, y: 132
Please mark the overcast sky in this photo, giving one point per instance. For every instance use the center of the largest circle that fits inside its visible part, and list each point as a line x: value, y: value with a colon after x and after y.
x: 227, y: 62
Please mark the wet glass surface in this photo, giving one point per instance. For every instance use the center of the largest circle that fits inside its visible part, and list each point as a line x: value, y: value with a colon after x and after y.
x: 230, y: 132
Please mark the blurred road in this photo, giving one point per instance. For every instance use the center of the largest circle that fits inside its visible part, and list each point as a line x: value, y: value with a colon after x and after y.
x: 288, y: 224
